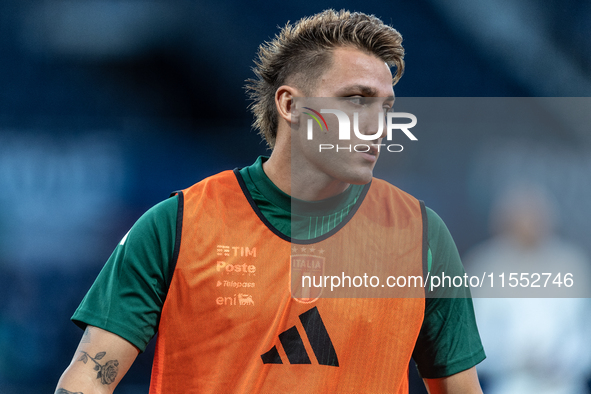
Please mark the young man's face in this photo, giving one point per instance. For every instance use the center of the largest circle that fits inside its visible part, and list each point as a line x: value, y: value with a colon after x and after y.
x: 353, y: 73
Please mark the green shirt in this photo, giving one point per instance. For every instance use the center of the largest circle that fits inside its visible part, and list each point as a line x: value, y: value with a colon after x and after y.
x: 130, y: 290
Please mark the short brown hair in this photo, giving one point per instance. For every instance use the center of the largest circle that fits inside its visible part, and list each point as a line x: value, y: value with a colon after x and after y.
x: 301, y: 52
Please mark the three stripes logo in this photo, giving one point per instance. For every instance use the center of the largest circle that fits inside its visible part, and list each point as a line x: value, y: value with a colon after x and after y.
x: 294, y: 348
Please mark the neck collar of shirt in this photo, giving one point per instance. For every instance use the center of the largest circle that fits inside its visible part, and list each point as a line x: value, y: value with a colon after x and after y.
x: 300, y: 207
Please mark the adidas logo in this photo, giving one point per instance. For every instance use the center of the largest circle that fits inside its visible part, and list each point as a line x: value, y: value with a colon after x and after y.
x: 294, y: 348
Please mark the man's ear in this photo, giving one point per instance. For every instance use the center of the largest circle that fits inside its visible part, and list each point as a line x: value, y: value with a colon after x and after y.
x: 284, y: 103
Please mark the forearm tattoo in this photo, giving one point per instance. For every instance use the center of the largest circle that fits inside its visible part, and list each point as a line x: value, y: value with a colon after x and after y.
x: 64, y: 391
x: 106, y: 372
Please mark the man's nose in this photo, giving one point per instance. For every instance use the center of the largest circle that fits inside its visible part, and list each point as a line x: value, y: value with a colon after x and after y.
x: 372, y: 123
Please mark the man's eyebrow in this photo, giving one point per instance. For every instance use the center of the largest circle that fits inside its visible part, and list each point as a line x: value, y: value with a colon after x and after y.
x: 364, y: 90
x: 357, y: 89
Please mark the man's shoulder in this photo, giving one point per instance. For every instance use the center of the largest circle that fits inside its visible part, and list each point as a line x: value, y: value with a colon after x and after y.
x: 435, y: 221
x: 385, y: 187
x: 220, y: 178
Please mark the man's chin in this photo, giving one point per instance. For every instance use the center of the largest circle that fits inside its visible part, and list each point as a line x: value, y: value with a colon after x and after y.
x: 362, y: 179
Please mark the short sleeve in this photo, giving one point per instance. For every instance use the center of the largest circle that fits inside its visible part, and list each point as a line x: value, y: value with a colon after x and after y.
x: 448, y: 342
x: 129, y: 292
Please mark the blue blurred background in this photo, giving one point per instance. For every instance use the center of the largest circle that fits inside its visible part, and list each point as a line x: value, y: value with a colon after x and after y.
x: 106, y: 106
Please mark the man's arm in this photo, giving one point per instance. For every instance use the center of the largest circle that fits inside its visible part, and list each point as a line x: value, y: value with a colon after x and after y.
x: 465, y: 382
x: 101, y: 360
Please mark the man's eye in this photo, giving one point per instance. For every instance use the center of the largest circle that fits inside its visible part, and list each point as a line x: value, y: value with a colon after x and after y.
x: 356, y: 100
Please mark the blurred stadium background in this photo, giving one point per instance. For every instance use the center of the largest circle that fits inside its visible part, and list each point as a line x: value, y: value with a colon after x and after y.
x: 106, y: 106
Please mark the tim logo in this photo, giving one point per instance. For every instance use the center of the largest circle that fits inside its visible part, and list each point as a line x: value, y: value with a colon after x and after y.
x: 345, y: 129
x: 242, y: 251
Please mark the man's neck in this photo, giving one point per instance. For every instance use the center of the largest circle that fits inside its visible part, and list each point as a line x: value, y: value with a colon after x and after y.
x: 300, y: 184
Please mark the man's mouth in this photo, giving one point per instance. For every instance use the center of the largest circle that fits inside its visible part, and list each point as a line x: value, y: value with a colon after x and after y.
x: 373, y: 150
x: 371, y: 154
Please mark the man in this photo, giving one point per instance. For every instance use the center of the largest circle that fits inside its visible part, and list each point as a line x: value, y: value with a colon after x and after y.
x: 210, y: 269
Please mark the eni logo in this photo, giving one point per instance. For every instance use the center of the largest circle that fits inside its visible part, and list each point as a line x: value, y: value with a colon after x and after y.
x: 241, y: 300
